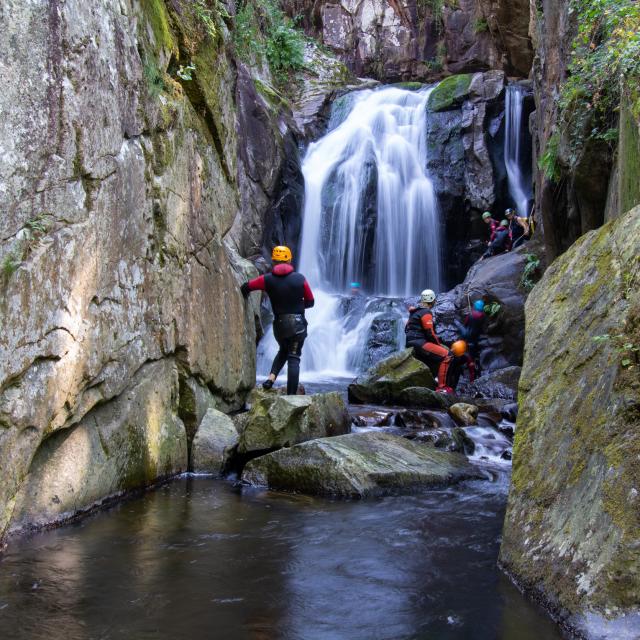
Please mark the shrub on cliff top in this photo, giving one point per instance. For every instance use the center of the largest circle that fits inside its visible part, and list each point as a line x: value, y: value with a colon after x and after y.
x: 605, y: 55
x: 262, y: 31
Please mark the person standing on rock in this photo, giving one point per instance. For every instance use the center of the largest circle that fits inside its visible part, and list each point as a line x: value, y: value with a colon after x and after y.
x: 421, y: 334
x: 290, y: 295
x: 518, y: 228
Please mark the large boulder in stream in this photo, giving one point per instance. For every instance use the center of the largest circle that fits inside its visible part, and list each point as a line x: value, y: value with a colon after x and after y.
x: 358, y: 465
x: 213, y: 443
x: 385, y: 382
x: 572, y: 527
x: 276, y: 421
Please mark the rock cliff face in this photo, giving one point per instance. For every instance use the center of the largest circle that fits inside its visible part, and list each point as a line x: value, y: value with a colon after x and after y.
x: 572, y: 528
x: 597, y: 185
x: 417, y: 39
x: 131, y: 187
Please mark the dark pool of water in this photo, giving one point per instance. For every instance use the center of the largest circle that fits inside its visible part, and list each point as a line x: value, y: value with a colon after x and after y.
x: 199, y: 558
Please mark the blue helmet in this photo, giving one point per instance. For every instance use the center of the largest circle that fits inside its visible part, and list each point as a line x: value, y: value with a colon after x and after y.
x: 478, y: 305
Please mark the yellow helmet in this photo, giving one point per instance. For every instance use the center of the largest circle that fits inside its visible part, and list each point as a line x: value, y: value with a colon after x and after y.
x: 281, y: 254
x: 459, y: 348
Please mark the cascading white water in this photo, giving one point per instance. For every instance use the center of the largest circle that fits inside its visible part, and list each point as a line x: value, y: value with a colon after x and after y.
x: 370, y: 211
x: 519, y: 188
x: 371, y: 217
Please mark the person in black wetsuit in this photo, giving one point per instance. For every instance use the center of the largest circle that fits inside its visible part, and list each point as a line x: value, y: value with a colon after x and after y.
x: 290, y: 295
x: 427, y: 347
x: 518, y: 228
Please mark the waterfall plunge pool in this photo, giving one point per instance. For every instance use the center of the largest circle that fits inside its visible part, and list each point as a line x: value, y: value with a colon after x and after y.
x: 200, y: 558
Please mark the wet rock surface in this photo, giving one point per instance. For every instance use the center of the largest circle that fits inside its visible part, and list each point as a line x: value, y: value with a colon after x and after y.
x: 279, y: 420
x: 358, y: 465
x: 214, y: 443
x: 386, y: 381
x: 120, y: 446
x: 572, y: 526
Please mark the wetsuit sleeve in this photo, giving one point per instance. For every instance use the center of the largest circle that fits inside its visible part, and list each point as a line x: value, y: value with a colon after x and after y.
x: 427, y: 324
x: 308, y: 296
x: 257, y: 284
x: 471, y: 365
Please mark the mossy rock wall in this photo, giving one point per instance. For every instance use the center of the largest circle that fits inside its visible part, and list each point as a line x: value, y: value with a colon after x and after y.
x: 572, y: 528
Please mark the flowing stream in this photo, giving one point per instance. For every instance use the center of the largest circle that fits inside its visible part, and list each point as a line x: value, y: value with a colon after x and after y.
x: 519, y: 185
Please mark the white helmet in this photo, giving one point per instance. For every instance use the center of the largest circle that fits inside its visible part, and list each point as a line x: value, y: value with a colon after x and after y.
x: 427, y: 296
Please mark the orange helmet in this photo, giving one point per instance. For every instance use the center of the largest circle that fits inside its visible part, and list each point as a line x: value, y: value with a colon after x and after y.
x: 281, y: 254
x: 459, y: 348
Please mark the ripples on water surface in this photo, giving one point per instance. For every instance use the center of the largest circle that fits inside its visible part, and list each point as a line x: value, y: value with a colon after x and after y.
x: 200, y: 559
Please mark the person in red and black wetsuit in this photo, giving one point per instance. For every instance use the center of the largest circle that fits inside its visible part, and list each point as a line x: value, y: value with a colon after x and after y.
x: 290, y: 295
x: 421, y: 335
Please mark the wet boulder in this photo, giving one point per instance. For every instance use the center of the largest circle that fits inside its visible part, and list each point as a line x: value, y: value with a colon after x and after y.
x: 464, y: 414
x: 357, y: 466
x: 422, y: 397
x: 502, y: 384
x: 385, y: 382
x: 213, y: 443
x: 276, y: 421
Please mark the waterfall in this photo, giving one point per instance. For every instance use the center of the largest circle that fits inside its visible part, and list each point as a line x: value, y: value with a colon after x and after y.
x: 370, y: 211
x: 370, y: 217
x: 519, y: 187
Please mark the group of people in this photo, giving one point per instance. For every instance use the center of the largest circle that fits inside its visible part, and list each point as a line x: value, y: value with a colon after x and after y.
x: 446, y: 362
x: 290, y: 295
x: 506, y: 234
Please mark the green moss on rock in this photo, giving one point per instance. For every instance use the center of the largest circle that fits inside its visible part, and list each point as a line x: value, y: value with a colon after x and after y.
x: 450, y: 92
x: 572, y: 527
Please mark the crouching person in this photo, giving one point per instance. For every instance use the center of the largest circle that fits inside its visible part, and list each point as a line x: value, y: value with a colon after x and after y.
x: 421, y: 334
x: 290, y: 295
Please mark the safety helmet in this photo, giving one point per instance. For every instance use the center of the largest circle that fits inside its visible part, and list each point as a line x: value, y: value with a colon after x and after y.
x: 504, y: 223
x: 459, y: 348
x: 427, y: 296
x: 509, y: 212
x: 281, y: 254
x: 478, y: 305
x: 486, y: 215
x: 355, y: 285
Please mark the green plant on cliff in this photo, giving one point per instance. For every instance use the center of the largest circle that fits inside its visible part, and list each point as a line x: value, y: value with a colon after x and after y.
x: 480, y: 25
x: 186, y: 73
x: 605, y: 55
x: 531, y: 271
x: 262, y: 31
x: 627, y: 351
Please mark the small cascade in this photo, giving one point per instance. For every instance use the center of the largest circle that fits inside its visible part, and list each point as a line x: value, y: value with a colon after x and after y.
x: 370, y: 217
x: 515, y: 160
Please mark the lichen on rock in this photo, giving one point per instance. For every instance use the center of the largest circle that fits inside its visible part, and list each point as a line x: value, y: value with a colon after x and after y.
x: 572, y: 527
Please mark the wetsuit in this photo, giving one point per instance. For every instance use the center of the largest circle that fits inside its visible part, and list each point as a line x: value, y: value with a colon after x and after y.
x: 470, y: 331
x: 290, y: 295
x: 458, y: 364
x: 499, y: 243
x: 421, y: 335
x: 517, y: 231
x: 493, y: 227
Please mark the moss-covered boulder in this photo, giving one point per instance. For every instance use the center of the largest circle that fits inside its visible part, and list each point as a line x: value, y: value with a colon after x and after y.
x: 213, y: 443
x: 358, y: 465
x: 450, y: 93
x: 572, y: 528
x: 424, y: 398
x: 385, y: 382
x: 276, y: 421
